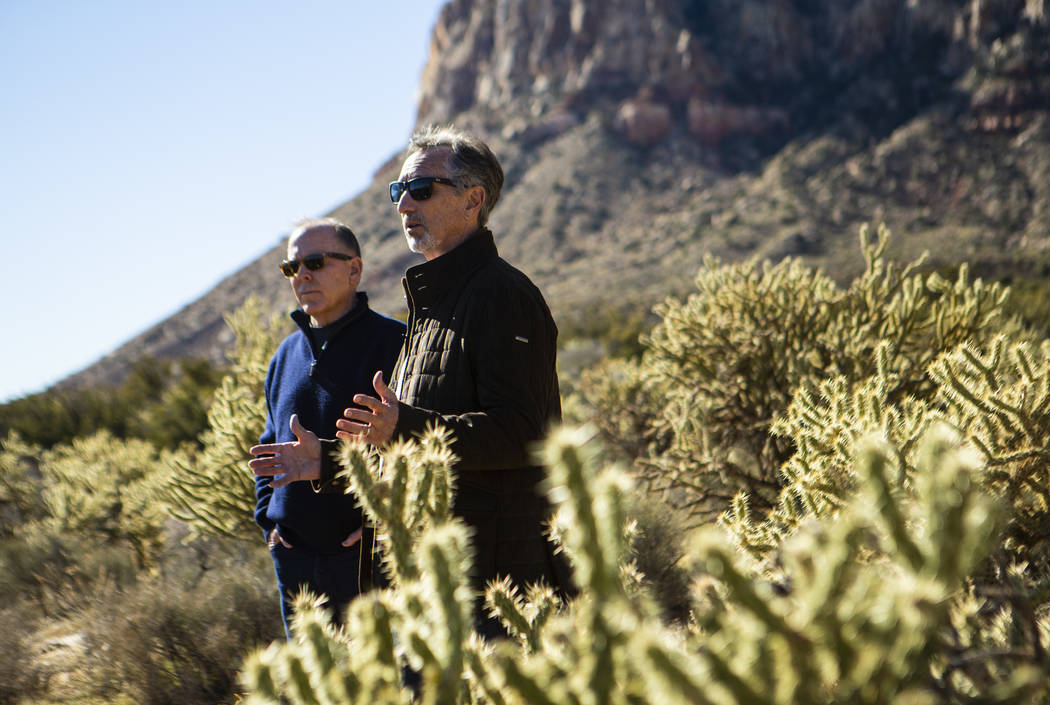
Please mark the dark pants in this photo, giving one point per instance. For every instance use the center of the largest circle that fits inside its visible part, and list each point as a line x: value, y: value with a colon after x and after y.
x: 334, y: 576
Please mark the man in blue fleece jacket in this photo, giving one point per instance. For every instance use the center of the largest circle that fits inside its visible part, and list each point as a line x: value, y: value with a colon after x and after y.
x: 314, y: 531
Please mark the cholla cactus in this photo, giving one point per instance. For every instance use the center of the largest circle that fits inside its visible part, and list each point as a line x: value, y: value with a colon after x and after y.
x: 825, y: 426
x: 105, y: 487
x: 423, y: 623
x: 724, y: 365
x: 872, y: 607
x: 211, y: 489
x: 405, y: 490
x: 1000, y: 398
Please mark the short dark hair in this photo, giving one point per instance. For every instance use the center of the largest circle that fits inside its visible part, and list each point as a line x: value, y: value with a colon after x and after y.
x: 470, y: 162
x: 342, y: 232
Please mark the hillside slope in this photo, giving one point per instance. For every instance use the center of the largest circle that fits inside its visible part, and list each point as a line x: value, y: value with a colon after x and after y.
x: 640, y: 136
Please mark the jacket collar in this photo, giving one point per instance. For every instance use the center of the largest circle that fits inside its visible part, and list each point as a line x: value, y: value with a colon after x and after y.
x: 360, y: 307
x: 429, y: 282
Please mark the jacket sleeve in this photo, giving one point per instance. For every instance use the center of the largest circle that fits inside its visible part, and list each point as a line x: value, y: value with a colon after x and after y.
x: 512, y: 348
x: 328, y: 483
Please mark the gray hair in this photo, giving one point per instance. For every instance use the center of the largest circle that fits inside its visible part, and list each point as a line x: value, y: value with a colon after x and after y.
x: 470, y: 162
x: 342, y: 232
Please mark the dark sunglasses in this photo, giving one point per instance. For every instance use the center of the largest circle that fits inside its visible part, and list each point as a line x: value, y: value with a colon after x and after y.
x: 290, y: 267
x: 420, y: 189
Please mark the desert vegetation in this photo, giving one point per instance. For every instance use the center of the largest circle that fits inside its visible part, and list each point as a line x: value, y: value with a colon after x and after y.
x: 786, y: 491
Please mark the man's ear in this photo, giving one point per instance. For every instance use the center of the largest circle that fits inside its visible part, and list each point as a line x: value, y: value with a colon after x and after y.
x: 357, y: 266
x: 475, y: 199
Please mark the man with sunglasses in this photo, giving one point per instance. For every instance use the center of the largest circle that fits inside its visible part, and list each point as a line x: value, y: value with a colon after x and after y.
x: 479, y: 360
x: 314, y: 530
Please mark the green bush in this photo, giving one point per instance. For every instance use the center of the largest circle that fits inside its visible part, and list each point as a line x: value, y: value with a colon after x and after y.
x: 161, y: 402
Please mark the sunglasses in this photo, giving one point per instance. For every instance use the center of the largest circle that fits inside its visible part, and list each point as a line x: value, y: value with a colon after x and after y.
x: 290, y: 267
x: 420, y: 189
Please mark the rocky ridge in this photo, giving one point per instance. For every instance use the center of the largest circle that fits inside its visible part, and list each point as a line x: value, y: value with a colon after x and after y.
x: 640, y: 136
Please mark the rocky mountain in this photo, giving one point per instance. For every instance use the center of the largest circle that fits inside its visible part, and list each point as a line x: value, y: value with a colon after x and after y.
x: 640, y: 136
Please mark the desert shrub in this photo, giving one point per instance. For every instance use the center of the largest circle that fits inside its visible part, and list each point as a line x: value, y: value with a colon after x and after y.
x: 212, y: 488
x: 103, y: 488
x: 873, y: 605
x: 180, y: 414
x: 723, y: 365
x: 19, y: 483
x: 54, y: 571
x: 618, y: 328
x: 179, y: 636
x: 1030, y: 301
x: 657, y: 544
x: 19, y: 675
x: 159, y: 401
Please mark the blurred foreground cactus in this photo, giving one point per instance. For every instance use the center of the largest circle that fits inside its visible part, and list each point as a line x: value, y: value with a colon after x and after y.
x: 872, y: 605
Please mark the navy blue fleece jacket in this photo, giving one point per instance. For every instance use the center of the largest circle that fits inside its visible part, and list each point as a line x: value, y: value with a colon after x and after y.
x: 318, y: 384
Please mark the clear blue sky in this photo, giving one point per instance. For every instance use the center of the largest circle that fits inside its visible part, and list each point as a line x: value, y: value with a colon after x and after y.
x: 149, y: 149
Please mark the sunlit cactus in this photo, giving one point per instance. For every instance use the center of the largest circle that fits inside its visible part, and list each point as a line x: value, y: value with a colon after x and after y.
x: 212, y: 490
x: 862, y: 609
x: 723, y: 366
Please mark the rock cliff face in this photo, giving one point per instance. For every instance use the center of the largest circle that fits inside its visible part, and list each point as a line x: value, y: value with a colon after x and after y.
x: 758, y: 69
x: 639, y: 136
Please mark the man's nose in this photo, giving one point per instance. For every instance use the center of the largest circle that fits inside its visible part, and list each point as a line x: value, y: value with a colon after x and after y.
x: 406, y: 203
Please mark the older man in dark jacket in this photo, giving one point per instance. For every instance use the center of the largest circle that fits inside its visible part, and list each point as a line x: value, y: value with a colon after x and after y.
x: 479, y: 358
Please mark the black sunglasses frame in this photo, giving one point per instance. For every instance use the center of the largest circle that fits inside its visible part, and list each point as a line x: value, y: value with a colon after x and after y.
x: 420, y: 188
x: 313, y: 262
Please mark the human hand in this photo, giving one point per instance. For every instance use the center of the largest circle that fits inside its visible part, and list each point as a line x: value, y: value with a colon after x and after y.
x: 353, y: 538
x: 275, y: 538
x: 290, y: 461
x: 376, y: 423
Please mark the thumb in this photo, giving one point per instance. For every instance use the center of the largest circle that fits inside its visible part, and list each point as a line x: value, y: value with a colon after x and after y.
x: 381, y: 389
x: 297, y: 428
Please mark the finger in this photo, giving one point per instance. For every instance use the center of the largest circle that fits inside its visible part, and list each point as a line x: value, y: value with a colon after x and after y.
x: 302, y: 433
x: 266, y: 449
x: 363, y: 415
x: 381, y: 389
x: 269, y: 467
x: 352, y: 427
x: 280, y: 481
x: 365, y: 400
x: 353, y: 538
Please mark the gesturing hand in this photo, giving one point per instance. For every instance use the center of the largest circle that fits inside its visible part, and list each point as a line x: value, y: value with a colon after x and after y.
x: 290, y: 461
x: 375, y: 424
x: 353, y: 538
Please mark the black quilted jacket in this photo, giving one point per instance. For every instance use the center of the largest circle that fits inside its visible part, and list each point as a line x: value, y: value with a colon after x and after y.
x: 479, y: 358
